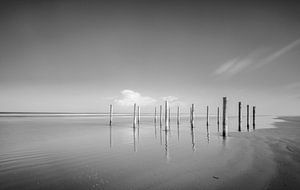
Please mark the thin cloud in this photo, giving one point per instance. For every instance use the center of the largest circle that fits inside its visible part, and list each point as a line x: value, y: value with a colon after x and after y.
x: 129, y: 97
x: 237, y: 65
x: 255, y: 59
x: 278, y: 53
x: 170, y: 98
x: 226, y: 67
x: 173, y: 100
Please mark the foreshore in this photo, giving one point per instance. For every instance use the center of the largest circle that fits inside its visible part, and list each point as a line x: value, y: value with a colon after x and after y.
x: 280, y: 168
x: 273, y: 158
x: 265, y: 158
x: 285, y: 144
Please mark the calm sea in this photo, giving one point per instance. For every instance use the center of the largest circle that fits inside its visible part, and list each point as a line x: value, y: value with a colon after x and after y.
x: 84, y: 152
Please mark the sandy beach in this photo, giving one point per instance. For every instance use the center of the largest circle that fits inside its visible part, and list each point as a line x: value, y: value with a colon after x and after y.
x: 285, y: 142
x: 276, y: 155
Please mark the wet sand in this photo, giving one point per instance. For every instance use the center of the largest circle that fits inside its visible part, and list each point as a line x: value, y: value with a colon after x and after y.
x: 285, y: 144
x: 85, y: 153
x: 276, y: 157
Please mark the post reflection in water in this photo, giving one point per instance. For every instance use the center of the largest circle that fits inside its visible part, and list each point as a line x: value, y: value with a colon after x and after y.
x: 193, y: 139
x: 160, y: 137
x: 155, y: 130
x: 224, y: 141
x: 207, y: 133
x: 110, y: 136
x: 218, y: 127
x: 166, y: 146
x: 178, y: 131
x: 138, y: 133
x: 134, y: 139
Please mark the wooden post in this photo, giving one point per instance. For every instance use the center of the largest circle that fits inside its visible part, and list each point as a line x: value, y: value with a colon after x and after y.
x: 134, y: 115
x: 207, y: 108
x: 248, y: 117
x: 253, y: 117
x: 218, y: 118
x: 240, y: 116
x: 155, y: 115
x: 110, y: 114
x: 138, y: 115
x: 192, y: 115
x: 178, y: 115
x: 166, y: 116
x: 225, y: 127
x: 160, y: 115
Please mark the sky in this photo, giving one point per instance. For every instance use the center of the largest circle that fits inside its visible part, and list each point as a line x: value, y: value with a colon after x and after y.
x: 81, y: 56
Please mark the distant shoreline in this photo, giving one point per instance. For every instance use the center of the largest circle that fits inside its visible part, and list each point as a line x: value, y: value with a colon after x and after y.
x: 87, y: 114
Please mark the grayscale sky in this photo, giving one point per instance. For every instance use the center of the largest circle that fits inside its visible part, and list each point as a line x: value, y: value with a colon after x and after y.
x: 80, y: 56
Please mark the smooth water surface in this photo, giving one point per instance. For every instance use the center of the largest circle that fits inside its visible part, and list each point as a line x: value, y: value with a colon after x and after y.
x: 87, y: 153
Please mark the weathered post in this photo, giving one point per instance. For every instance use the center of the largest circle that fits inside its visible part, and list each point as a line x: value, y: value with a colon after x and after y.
x: 247, y: 117
x: 240, y: 116
x: 155, y: 115
x: 207, y: 115
x: 110, y: 114
x: 192, y: 115
x: 134, y: 115
x: 178, y: 115
x: 166, y: 116
x: 253, y: 117
x: 138, y: 114
x: 160, y: 115
x: 218, y: 118
x: 225, y: 127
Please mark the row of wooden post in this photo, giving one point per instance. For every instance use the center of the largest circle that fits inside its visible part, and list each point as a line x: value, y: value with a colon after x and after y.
x: 167, y: 115
x: 136, y: 116
x: 248, y: 116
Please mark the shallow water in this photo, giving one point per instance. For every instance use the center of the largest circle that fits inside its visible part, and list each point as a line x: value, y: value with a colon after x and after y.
x: 86, y: 153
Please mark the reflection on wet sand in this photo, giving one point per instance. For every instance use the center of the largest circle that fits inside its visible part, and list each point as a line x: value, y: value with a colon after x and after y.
x: 160, y: 136
x: 155, y: 130
x: 108, y: 155
x: 178, y: 131
x: 207, y: 133
x: 193, y: 139
x: 138, y: 133
x: 110, y: 136
x: 166, y: 146
x: 134, y: 139
x: 224, y: 141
